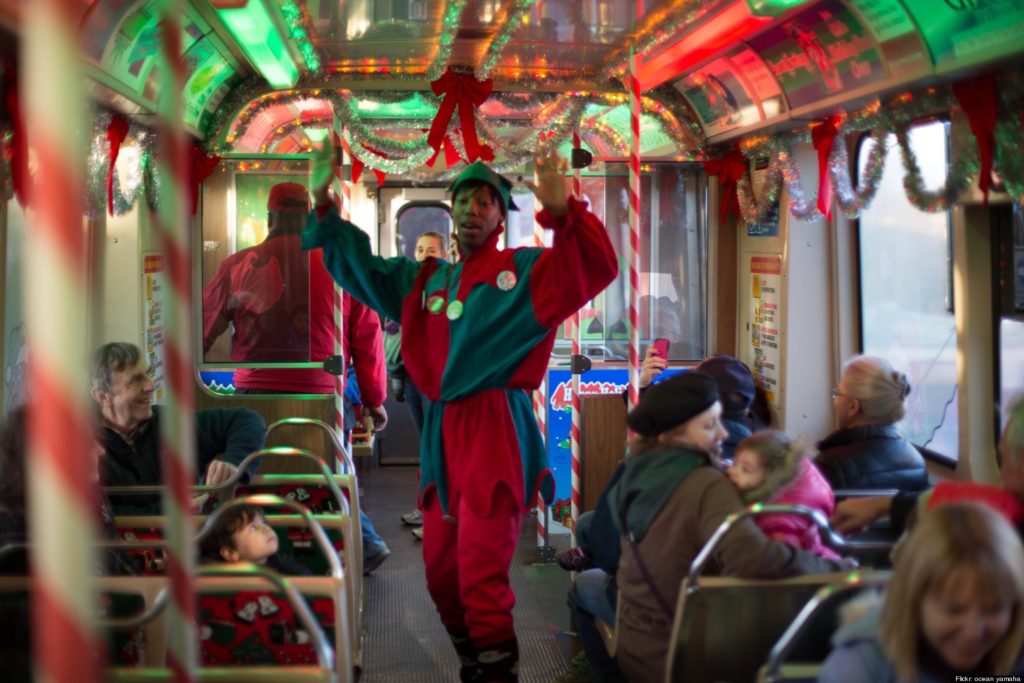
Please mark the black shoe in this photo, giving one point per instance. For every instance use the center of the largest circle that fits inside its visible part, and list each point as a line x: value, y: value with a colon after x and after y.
x: 499, y: 663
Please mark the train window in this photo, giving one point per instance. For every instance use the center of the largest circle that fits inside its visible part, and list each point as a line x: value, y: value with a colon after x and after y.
x: 1010, y: 259
x: 416, y: 218
x: 256, y: 289
x: 672, y: 263
x: 906, y: 302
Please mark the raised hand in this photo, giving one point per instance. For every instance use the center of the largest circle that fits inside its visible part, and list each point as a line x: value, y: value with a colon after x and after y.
x: 321, y: 172
x: 549, y: 182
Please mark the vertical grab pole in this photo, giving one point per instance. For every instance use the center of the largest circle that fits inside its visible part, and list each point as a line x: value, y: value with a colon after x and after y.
x: 540, y: 403
x: 178, y: 424
x: 343, y: 196
x: 62, y: 514
x: 634, y: 219
x: 577, y: 462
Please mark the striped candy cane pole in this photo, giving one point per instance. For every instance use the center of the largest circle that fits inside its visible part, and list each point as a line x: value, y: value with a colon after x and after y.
x: 577, y: 462
x: 342, y: 195
x: 178, y: 422
x: 62, y: 516
x: 540, y: 399
x: 634, y: 226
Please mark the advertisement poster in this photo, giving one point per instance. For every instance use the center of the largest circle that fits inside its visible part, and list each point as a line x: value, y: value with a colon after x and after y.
x: 820, y: 52
x: 719, y: 98
x: 153, y: 283
x: 759, y: 78
x: 559, y: 424
x: 766, y: 283
x: 969, y: 29
x: 205, y: 73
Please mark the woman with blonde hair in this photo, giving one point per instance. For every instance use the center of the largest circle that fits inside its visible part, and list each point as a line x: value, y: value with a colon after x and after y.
x: 954, y: 607
x: 867, y: 451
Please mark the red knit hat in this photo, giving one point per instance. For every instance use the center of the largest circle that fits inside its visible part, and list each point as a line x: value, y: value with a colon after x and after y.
x: 288, y: 197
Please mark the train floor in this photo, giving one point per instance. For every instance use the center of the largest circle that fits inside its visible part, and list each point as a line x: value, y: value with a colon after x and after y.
x: 404, y: 638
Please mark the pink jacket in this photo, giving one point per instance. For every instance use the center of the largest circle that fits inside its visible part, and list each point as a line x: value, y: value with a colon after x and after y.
x: 811, y: 489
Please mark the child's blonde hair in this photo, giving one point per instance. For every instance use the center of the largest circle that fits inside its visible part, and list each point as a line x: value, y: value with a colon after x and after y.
x: 780, y: 456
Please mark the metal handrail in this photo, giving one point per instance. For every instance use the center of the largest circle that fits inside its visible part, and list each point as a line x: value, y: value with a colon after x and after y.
x: 833, y: 538
x: 149, y: 614
x: 269, y: 499
x: 236, y: 477
x: 349, y: 466
x: 325, y: 656
x: 109, y: 544
x: 780, y: 651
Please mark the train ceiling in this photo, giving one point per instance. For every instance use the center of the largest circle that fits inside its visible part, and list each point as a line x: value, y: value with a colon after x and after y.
x: 269, y: 76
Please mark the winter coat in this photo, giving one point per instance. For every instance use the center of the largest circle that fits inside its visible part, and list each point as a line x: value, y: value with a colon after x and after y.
x: 810, y: 489
x: 680, y: 526
x: 871, y: 456
x: 228, y: 434
x: 857, y: 655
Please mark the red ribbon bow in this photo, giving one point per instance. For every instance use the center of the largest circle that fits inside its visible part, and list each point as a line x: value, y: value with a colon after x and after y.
x: 20, y: 176
x: 358, y: 165
x: 451, y: 155
x: 117, y: 131
x: 729, y: 170
x: 201, y: 166
x: 977, y: 97
x: 466, y: 93
x: 823, y: 135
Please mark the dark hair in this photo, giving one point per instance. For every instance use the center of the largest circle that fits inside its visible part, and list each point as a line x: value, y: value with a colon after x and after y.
x: 228, y: 524
x: 12, y: 461
x: 473, y: 185
x: 111, y: 358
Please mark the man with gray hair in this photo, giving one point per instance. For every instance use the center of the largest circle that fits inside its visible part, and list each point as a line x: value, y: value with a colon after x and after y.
x: 854, y: 514
x: 129, y: 426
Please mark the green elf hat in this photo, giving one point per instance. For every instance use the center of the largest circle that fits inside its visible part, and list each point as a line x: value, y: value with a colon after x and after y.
x: 480, y: 172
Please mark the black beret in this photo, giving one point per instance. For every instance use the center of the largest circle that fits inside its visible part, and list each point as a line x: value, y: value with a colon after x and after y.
x: 672, y: 402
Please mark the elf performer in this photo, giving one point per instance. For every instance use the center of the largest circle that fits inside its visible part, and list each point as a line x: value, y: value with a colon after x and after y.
x: 476, y: 338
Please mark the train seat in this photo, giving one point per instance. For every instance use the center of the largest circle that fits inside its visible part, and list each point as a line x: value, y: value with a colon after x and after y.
x: 704, y: 647
x: 798, y: 654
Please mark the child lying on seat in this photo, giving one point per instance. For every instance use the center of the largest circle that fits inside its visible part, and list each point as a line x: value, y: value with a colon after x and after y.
x: 243, y: 535
x: 772, y: 468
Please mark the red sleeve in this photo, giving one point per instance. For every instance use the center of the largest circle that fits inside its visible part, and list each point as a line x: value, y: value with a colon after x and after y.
x: 578, y: 266
x: 215, y: 302
x: 366, y: 348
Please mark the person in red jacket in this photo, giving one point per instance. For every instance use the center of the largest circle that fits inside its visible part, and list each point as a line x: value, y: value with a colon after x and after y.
x: 279, y: 302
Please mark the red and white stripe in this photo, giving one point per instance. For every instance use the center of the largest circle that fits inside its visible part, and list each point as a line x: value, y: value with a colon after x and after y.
x: 574, y: 439
x: 540, y: 400
x: 634, y: 228
x: 178, y: 424
x: 342, y: 195
x: 62, y: 507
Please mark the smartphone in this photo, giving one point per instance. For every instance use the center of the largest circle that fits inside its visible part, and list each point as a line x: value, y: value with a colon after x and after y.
x: 661, y: 347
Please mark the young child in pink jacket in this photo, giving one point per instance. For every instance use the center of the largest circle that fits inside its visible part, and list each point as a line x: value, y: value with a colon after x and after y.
x: 770, y: 467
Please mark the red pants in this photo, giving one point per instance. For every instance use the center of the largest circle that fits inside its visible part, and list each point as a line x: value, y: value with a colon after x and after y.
x: 467, y: 566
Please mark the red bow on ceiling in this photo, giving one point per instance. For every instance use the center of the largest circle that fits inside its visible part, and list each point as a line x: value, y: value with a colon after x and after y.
x: 823, y: 135
x: 358, y: 165
x: 977, y: 97
x: 729, y: 169
x: 200, y: 167
x: 20, y: 176
x: 466, y: 93
x: 451, y: 155
x: 117, y: 131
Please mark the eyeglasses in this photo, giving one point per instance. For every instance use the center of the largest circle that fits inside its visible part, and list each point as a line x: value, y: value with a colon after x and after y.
x: 836, y: 393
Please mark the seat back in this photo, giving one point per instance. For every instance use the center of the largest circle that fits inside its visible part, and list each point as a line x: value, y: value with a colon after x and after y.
x: 806, y: 643
x: 707, y: 647
x: 724, y: 628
